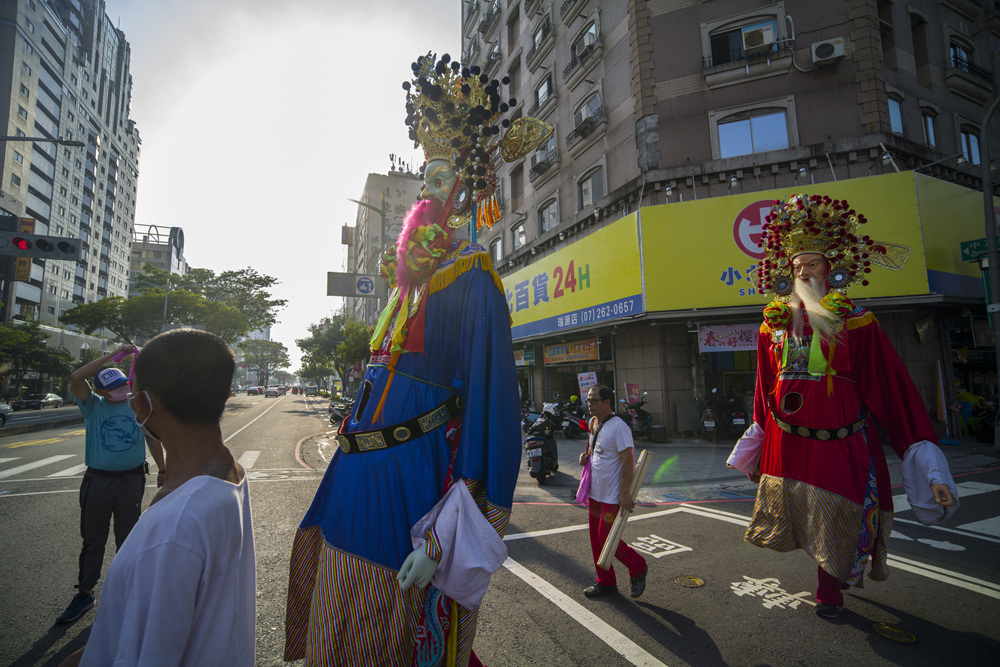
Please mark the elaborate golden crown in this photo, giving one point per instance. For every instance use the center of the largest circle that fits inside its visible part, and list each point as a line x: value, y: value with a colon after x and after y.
x: 453, y: 113
x: 813, y: 224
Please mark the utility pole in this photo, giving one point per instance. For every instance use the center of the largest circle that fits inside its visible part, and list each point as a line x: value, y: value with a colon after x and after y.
x: 992, y: 308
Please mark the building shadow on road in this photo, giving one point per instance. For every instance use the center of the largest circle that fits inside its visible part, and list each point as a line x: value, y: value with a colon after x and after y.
x: 935, y: 645
x: 35, y: 654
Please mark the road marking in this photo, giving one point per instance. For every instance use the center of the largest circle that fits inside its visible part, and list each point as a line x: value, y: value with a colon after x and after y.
x: 69, y: 472
x: 248, y: 459
x: 36, y: 464
x: 988, y: 526
x: 252, y: 421
x: 33, y: 443
x: 10, y: 459
x: 981, y: 586
x: 613, y: 638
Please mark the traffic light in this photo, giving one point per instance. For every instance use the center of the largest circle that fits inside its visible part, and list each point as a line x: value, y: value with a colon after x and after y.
x: 21, y: 244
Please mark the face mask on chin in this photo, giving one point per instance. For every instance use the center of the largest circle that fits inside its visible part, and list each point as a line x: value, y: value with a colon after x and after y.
x: 118, y: 394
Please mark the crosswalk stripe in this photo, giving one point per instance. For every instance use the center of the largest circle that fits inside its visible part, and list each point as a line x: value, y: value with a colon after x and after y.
x: 10, y: 459
x: 70, y: 472
x: 986, y: 526
x: 248, y: 459
x: 37, y: 464
x: 965, y: 489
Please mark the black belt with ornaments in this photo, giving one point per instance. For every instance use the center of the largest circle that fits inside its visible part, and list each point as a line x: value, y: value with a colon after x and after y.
x: 390, y: 436
x: 820, y: 433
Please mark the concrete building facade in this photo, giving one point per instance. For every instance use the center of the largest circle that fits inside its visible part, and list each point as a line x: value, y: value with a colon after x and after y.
x: 64, y: 74
x: 162, y: 248
x: 662, y: 102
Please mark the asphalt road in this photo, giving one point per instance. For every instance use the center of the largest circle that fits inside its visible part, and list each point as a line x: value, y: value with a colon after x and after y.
x: 711, y: 598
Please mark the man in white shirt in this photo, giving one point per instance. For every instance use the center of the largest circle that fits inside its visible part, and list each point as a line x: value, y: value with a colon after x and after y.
x: 611, y: 469
x: 182, y: 589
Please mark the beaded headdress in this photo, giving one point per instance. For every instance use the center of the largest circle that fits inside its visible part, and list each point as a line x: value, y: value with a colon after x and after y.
x: 813, y: 224
x: 454, y: 113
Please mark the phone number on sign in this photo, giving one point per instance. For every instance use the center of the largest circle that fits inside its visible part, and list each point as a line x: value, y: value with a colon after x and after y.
x: 616, y: 309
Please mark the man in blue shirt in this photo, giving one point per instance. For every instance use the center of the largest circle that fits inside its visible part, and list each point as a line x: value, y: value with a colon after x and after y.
x: 115, y: 479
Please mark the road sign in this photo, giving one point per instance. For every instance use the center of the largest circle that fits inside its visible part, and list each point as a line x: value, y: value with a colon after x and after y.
x: 353, y: 284
x: 975, y: 249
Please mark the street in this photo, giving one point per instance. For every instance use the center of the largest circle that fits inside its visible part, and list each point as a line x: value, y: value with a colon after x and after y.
x: 711, y: 598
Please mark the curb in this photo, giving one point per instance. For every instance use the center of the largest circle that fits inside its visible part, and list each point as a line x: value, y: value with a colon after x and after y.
x: 41, y: 426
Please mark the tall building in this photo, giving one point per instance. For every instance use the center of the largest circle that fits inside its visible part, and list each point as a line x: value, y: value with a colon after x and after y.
x: 385, y: 200
x: 161, y: 248
x: 661, y: 106
x: 64, y: 74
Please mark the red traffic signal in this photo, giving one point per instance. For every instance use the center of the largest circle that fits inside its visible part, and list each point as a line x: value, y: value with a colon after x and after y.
x: 21, y: 243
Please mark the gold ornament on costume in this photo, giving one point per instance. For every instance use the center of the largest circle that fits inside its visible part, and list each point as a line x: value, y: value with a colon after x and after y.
x: 524, y: 135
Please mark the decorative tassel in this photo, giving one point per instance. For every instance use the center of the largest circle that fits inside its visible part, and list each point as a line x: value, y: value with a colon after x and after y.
x: 383, y: 321
x: 452, y: 654
x: 829, y: 368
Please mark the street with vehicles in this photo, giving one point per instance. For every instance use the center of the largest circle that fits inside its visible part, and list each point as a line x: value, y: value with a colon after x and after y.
x: 710, y: 598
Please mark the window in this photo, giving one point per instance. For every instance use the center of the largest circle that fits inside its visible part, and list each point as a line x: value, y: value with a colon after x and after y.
x: 18, y: 158
x: 22, y: 112
x: 921, y: 58
x: 496, y: 249
x: 15, y: 180
x: 589, y: 109
x: 548, y: 216
x: 727, y: 44
x: 970, y: 144
x: 766, y: 131
x: 517, y: 236
x: 961, y: 55
x: 543, y: 91
x: 927, y: 119
x: 541, y: 32
x: 895, y: 116
x: 31, y: 26
x: 582, y: 46
x: 591, y: 188
x: 516, y: 186
x: 25, y: 91
x: 27, y: 69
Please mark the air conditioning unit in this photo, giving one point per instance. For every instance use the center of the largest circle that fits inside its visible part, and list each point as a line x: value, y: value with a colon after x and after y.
x: 828, y: 50
x: 589, y: 38
x: 758, y: 40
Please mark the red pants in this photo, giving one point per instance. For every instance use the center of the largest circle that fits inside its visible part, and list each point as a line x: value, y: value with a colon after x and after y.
x: 602, y: 517
x: 829, y: 590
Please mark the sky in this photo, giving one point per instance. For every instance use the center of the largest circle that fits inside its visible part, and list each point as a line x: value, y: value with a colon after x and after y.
x: 259, y: 119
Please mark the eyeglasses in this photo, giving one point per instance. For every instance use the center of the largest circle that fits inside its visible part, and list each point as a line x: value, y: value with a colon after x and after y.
x: 597, y: 400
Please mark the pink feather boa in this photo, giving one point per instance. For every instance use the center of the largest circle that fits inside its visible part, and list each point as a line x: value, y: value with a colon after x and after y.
x: 421, y: 244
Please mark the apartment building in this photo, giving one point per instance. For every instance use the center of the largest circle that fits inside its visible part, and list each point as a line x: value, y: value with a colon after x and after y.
x: 161, y: 248
x: 64, y: 75
x: 695, y: 114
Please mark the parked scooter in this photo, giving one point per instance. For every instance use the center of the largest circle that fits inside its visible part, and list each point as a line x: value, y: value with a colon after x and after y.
x: 340, y: 409
x: 709, y: 424
x: 540, y: 449
x: 576, y: 419
x: 643, y: 421
x: 736, y: 416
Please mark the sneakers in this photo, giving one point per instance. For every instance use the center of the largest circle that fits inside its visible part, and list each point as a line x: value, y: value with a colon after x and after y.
x: 597, y: 591
x: 638, y: 584
x: 81, y: 603
x: 827, y: 610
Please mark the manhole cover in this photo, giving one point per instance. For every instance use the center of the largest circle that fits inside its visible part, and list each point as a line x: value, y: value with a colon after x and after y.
x: 690, y: 582
x: 894, y: 633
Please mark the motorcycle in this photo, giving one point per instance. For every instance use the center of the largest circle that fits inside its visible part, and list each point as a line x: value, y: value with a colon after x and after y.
x: 736, y: 417
x: 340, y: 410
x: 576, y: 421
x: 643, y: 421
x: 708, y: 421
x: 540, y: 449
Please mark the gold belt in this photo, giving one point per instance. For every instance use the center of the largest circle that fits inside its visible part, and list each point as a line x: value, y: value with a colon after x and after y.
x: 820, y: 433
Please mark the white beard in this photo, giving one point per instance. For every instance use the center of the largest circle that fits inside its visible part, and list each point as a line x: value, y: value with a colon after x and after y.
x: 808, y: 294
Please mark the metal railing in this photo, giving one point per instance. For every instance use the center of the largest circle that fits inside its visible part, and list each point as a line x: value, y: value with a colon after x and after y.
x: 585, y: 127
x: 970, y: 67
x: 545, y: 32
x: 738, y: 56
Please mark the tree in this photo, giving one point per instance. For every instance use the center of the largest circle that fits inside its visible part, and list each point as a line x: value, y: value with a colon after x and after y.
x: 245, y: 290
x: 340, y: 341
x: 24, y: 347
x: 264, y: 355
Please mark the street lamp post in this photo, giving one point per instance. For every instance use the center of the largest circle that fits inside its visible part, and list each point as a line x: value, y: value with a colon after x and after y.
x: 993, y: 308
x: 381, y: 212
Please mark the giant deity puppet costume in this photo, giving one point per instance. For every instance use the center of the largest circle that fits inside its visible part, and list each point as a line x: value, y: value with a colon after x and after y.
x: 826, y: 375
x: 421, y: 490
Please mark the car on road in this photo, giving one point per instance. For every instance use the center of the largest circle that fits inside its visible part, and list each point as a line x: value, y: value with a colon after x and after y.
x: 5, y: 410
x: 271, y: 391
x: 311, y: 391
x: 38, y: 402
x: 253, y: 391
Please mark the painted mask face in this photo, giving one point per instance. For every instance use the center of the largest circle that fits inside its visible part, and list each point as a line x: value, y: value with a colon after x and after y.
x: 439, y: 178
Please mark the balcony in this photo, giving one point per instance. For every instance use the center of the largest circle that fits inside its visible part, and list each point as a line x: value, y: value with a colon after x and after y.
x: 582, y: 62
x: 741, y: 68
x: 969, y: 80
x: 489, y: 18
x: 542, y: 163
x: 542, y: 43
x: 492, y: 60
x: 570, y: 8
x: 472, y: 13
x: 529, y: 6
x: 592, y: 127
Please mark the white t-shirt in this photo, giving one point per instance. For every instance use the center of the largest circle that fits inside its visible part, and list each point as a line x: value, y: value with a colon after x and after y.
x: 182, y: 590
x: 605, y: 462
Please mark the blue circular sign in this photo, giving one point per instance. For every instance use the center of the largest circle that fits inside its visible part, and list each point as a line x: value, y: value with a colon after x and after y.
x: 365, y: 285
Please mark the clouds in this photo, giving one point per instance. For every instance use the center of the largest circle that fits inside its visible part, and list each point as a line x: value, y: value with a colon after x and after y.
x: 259, y: 119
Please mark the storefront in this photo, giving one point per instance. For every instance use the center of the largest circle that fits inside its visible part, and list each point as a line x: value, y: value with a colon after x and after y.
x: 672, y: 290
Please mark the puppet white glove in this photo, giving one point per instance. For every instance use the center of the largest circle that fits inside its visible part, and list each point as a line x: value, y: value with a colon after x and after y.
x: 418, y: 568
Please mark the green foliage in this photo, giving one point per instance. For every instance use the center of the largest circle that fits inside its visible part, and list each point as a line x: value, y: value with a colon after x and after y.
x: 264, y: 357
x: 24, y: 347
x: 338, y: 341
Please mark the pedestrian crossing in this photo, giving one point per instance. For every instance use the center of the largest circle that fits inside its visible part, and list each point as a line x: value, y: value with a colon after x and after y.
x: 18, y: 468
x: 989, y: 527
